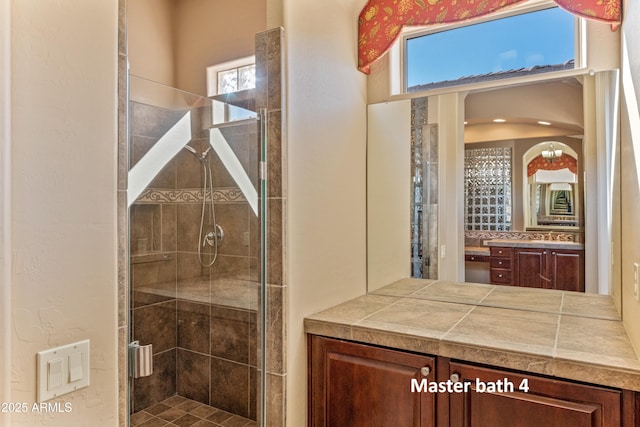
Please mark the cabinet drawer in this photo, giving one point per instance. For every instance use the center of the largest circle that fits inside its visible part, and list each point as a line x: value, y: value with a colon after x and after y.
x: 501, y: 252
x: 501, y: 276
x: 476, y: 258
x: 501, y: 263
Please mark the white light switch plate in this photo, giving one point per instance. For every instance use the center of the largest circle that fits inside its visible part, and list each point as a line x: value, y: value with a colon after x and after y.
x: 636, y: 289
x: 62, y: 370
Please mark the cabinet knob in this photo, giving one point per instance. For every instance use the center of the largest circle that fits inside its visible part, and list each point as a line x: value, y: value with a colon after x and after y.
x: 425, y: 371
x: 455, y: 377
x: 553, y: 253
x: 499, y: 275
x: 499, y: 262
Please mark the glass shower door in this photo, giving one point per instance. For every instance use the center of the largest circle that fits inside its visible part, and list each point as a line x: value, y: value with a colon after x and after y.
x: 196, y: 260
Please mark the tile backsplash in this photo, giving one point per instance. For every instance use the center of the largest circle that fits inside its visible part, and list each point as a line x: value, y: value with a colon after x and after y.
x: 477, y: 238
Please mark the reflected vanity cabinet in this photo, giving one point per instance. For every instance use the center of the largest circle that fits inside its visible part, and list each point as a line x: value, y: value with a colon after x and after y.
x: 360, y: 385
x: 546, y: 268
x: 500, y: 266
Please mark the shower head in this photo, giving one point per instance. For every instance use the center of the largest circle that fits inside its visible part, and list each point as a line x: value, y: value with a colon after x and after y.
x: 201, y: 157
x: 190, y: 148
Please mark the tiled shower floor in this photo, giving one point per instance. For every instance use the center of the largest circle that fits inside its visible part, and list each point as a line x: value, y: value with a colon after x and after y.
x: 182, y: 412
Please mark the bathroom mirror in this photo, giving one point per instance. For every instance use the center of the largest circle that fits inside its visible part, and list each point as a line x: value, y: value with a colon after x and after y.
x: 416, y: 177
x: 553, y: 194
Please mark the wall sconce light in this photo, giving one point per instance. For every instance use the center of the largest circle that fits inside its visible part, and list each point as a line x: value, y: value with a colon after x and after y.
x: 551, y: 154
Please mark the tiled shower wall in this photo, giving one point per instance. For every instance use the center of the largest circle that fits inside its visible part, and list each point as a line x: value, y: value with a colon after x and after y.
x: 269, y: 60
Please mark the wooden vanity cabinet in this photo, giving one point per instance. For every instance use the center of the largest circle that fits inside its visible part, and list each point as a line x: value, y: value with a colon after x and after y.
x: 544, y: 402
x: 355, y: 385
x: 566, y: 268
x: 360, y: 385
x: 500, y: 266
x: 530, y: 265
x: 538, y: 268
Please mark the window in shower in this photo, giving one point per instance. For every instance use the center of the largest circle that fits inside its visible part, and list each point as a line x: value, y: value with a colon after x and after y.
x: 231, y: 76
x: 487, y: 189
x: 237, y: 79
x: 232, y: 82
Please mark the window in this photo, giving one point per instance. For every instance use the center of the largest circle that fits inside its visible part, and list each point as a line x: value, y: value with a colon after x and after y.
x: 237, y: 79
x: 231, y: 78
x: 538, y: 41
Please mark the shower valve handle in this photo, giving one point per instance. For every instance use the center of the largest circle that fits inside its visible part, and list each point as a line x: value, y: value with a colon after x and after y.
x: 211, y: 236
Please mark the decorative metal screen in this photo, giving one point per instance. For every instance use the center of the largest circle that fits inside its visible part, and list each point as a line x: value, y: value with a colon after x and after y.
x: 487, y: 189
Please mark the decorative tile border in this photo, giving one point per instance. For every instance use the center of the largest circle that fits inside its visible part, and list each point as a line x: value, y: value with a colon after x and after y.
x: 520, y: 235
x: 220, y: 195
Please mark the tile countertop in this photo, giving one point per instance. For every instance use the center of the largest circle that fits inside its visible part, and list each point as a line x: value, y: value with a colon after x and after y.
x: 470, y: 325
x: 477, y: 250
x: 547, y: 244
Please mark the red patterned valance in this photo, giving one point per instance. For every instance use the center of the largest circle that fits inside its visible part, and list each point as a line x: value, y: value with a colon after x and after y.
x: 565, y: 161
x: 381, y: 21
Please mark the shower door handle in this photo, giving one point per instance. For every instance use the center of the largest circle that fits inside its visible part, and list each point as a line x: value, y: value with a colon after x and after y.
x: 140, y: 359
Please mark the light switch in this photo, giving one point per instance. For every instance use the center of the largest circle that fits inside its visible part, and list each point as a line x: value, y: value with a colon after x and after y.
x: 75, y: 367
x: 54, y: 373
x: 62, y: 370
x: 636, y: 281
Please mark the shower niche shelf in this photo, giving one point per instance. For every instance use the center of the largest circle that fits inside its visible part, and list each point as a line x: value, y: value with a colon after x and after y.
x: 146, y: 232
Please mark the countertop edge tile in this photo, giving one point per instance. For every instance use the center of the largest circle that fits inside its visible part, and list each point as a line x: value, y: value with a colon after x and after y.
x: 508, y: 359
x: 597, y: 374
x: 396, y: 340
x: 327, y: 329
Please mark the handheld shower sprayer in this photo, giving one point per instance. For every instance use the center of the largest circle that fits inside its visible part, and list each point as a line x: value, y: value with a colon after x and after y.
x: 211, y: 234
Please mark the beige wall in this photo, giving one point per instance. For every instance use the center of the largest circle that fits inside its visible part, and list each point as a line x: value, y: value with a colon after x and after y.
x: 173, y: 41
x: 630, y: 177
x: 388, y: 193
x: 209, y: 32
x: 150, y: 39
x: 326, y: 134
x: 5, y: 197
x: 556, y: 101
x: 63, y: 286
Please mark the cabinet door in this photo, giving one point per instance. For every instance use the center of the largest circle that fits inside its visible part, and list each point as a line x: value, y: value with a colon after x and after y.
x: 531, y: 268
x: 567, y: 270
x: 355, y: 385
x: 548, y: 402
